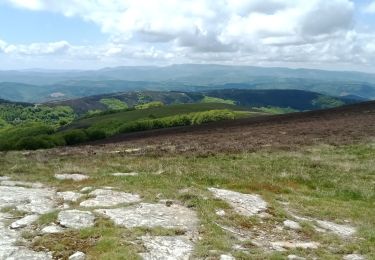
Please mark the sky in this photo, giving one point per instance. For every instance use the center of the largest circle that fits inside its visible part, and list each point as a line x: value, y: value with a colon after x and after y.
x: 91, y: 34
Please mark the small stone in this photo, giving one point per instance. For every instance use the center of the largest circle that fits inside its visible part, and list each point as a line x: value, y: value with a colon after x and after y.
x: 69, y: 196
x: 64, y: 206
x: 292, y: 224
x: 220, y: 212
x: 295, y: 257
x: 227, y: 257
x: 239, y: 248
x: 52, y: 229
x: 125, y: 174
x: 354, y: 257
x: 264, y: 215
x: 168, y: 203
x: 76, y: 219
x: 23, y: 222
x: 132, y: 150
x: 77, y: 256
x: 72, y: 176
x: 159, y: 172
x: 86, y: 189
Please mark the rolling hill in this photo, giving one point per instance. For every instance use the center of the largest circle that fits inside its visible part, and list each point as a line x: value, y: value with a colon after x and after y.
x: 293, y: 99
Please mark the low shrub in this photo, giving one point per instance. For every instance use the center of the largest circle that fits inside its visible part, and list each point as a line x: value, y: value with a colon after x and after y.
x: 179, y: 120
x: 95, y: 134
x: 75, y: 136
x: 35, y: 142
x: 15, y: 137
x: 150, y: 105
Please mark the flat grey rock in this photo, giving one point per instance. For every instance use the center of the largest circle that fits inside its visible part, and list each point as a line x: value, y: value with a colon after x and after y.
x: 282, y: 245
x: 244, y: 204
x: 4, y: 178
x: 295, y: 257
x: 125, y: 174
x: 153, y: 215
x: 24, y: 222
x: 8, y: 244
x: 343, y: 231
x: 227, y: 257
x: 31, y: 200
x: 167, y: 248
x: 70, y: 196
x: 73, y: 177
x: 25, y: 254
x: 86, y: 189
x: 340, y: 230
x: 22, y: 184
x: 292, y: 224
x: 76, y: 219
x: 78, y: 256
x: 109, y: 198
x: 52, y: 229
x: 354, y: 257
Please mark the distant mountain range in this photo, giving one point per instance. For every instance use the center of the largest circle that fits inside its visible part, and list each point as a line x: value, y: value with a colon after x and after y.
x: 44, y: 85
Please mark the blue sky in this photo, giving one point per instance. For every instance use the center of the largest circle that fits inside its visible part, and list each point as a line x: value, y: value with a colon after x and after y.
x: 89, y: 34
x: 21, y: 26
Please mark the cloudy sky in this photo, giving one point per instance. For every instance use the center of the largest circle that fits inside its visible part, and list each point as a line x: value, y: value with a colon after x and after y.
x: 89, y: 34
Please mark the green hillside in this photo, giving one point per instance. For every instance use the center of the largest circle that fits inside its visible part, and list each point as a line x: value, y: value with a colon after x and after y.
x: 36, y: 133
x: 112, y: 122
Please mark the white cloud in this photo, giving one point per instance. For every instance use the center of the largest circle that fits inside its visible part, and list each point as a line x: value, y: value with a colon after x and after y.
x: 228, y: 31
x: 370, y: 8
x: 37, y: 49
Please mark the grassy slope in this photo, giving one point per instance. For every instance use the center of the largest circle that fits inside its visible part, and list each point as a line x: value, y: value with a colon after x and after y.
x: 324, y: 182
x: 113, y: 120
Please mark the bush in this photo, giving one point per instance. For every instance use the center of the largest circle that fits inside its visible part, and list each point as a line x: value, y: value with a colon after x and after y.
x: 212, y: 116
x: 95, y: 134
x: 179, y: 120
x: 150, y: 105
x: 10, y: 138
x: 75, y: 137
x: 34, y: 143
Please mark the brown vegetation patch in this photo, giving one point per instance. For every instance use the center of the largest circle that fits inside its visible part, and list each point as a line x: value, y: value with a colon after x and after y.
x: 343, y: 125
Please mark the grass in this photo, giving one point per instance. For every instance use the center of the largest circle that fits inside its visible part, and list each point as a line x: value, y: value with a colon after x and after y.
x: 114, y: 103
x: 208, y: 99
x: 276, y: 110
x: 322, y: 182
